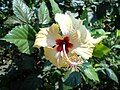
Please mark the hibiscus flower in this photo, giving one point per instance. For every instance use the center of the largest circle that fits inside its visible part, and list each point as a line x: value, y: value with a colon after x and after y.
x: 66, y: 43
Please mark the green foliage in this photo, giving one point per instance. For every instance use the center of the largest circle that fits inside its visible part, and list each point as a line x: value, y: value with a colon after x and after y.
x: 25, y: 68
x: 91, y: 74
x: 89, y: 71
x: 100, y: 50
x: 100, y: 32
x: 111, y: 74
x: 12, y: 20
x: 84, y: 17
x: 55, y: 7
x: 43, y: 14
x: 22, y: 11
x: 116, y: 46
x: 23, y: 37
x: 118, y: 32
x: 72, y: 79
x: 65, y: 87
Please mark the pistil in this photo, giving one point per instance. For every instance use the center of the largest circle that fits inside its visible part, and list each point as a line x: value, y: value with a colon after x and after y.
x: 68, y: 60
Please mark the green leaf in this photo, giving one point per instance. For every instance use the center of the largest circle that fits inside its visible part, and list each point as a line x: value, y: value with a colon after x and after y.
x: 21, y: 10
x: 84, y: 17
x: 100, y: 50
x: 55, y: 7
x: 91, y: 74
x: 100, y: 32
x: 116, y: 46
x: 84, y: 14
x: 43, y: 14
x: 111, y: 74
x: 12, y: 20
x: 23, y: 37
x: 118, y: 32
x: 65, y: 87
x: 72, y: 79
x: 89, y: 71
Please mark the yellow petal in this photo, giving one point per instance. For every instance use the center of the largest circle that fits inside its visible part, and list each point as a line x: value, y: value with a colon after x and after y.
x: 55, y: 57
x: 96, y: 41
x: 83, y: 34
x: 67, y: 22
x: 46, y: 37
x: 86, y: 50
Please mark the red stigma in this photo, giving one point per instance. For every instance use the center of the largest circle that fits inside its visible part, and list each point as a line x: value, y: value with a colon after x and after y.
x: 60, y: 43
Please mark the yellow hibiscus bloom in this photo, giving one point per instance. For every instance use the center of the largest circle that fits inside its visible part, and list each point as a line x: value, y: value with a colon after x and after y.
x: 67, y: 48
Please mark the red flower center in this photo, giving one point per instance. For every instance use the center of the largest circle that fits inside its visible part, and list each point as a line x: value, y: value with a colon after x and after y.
x: 65, y: 42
